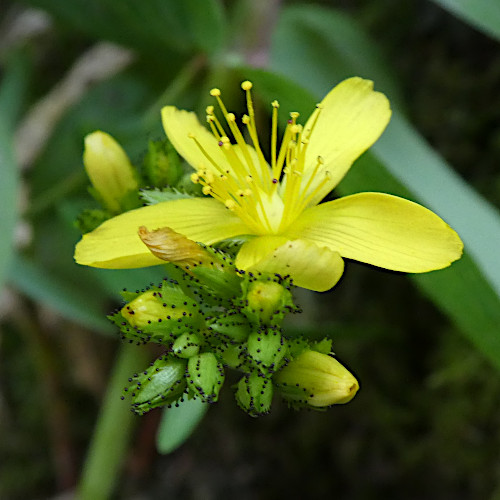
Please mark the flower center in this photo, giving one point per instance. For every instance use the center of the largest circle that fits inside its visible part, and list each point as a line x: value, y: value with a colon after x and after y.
x: 267, y: 198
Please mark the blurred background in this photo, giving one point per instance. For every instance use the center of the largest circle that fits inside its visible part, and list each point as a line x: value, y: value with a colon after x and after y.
x: 426, y: 349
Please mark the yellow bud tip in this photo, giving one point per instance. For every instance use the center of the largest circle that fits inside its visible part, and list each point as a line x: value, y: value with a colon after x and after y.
x: 195, y: 178
x: 206, y: 190
x: 246, y: 85
x: 215, y: 92
x: 209, y: 110
x: 245, y: 119
x: 230, y: 117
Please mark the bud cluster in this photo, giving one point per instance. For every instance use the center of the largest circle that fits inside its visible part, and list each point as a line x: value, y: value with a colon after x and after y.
x: 213, y: 317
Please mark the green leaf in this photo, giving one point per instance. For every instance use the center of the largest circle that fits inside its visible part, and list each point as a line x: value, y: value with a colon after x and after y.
x: 153, y: 26
x: 178, y: 423
x: 468, y: 291
x: 11, y: 93
x: 329, y: 47
x: 65, y: 298
x: 482, y: 14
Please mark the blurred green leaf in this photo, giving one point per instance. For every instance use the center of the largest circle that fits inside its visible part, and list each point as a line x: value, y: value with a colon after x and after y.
x: 153, y: 26
x: 11, y: 96
x: 65, y: 298
x: 329, y: 47
x: 178, y: 423
x: 482, y: 14
x: 409, y: 161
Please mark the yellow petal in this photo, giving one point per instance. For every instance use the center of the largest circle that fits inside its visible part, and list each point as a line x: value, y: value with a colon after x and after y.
x: 382, y: 230
x: 109, y: 169
x: 352, y: 118
x: 309, y: 265
x: 115, y: 244
x: 181, y: 128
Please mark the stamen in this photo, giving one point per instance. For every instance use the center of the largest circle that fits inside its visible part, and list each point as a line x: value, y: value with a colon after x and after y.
x: 274, y: 134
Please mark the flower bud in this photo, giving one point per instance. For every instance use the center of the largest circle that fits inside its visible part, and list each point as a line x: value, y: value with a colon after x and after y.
x: 266, y: 349
x: 205, y: 376
x: 267, y: 302
x: 187, y: 345
x: 231, y: 328
x: 159, y: 315
x: 109, y: 171
x: 316, y: 380
x: 163, y: 383
x: 255, y: 393
x: 161, y: 164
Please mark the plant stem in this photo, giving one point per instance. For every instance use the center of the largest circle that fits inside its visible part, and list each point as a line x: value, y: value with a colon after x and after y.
x: 113, y: 431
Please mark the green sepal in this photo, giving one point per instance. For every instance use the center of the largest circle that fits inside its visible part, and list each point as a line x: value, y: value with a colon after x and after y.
x: 266, y: 350
x: 205, y: 375
x: 254, y: 393
x: 161, y: 384
x: 186, y: 345
x: 162, y: 166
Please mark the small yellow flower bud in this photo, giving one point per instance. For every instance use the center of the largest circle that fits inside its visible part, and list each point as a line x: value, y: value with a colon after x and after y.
x: 317, y: 380
x: 109, y: 170
x: 267, y: 301
x: 145, y: 309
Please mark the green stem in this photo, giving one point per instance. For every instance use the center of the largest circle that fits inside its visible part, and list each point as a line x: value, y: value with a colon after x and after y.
x: 113, y: 431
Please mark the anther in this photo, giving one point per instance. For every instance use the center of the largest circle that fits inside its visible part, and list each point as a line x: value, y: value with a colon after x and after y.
x: 275, y: 104
x: 246, y: 85
x: 215, y: 92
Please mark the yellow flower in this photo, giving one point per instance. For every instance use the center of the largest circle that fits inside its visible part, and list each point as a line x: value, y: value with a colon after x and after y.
x: 275, y: 206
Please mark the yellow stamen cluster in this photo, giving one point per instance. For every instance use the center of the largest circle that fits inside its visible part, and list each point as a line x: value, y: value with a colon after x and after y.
x: 266, y: 197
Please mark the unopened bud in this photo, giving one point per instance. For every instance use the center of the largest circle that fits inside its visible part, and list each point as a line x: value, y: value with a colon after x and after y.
x: 186, y: 345
x: 110, y: 171
x: 159, y: 316
x: 161, y: 384
x: 205, y: 376
x: 266, y: 349
x: 161, y: 164
x: 267, y: 301
x: 316, y: 380
x: 255, y: 393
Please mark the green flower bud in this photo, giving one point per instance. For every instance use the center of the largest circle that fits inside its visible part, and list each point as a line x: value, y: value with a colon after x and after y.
x: 187, y: 345
x: 267, y: 349
x: 205, y: 376
x: 316, y: 380
x: 161, y: 164
x: 255, y: 393
x: 109, y: 171
x: 230, y: 354
x: 231, y: 328
x: 161, y: 384
x: 159, y: 315
x: 267, y: 301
